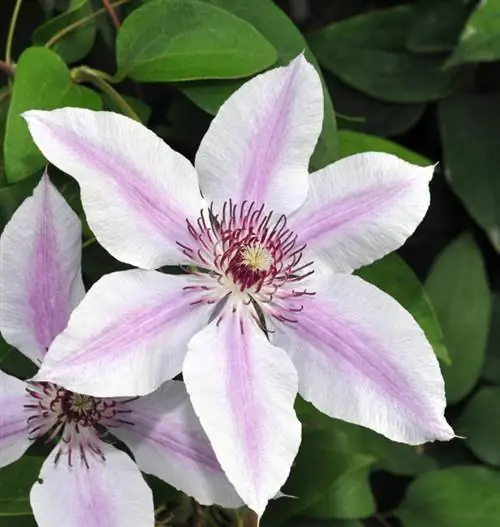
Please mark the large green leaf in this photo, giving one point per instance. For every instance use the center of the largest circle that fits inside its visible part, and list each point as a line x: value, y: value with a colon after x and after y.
x: 42, y: 82
x: 330, y: 463
x: 480, y: 424
x: 4, y: 108
x: 469, y: 125
x: 178, y: 40
x: 368, y: 52
x: 454, y: 497
x: 278, y: 29
x: 360, y: 112
x: 491, y: 370
x: 436, y: 25
x: 397, y: 458
x: 458, y: 289
x: 75, y: 45
x: 394, y: 276
x: 350, y: 497
x: 16, y: 481
x: 480, y: 39
x: 351, y: 142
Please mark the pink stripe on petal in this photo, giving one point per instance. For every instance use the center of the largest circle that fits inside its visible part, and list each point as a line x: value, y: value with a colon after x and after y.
x: 242, y: 389
x: 167, y: 440
x: 136, y: 191
x: 107, y: 493
x: 47, y: 281
x: 361, y: 208
x: 362, y: 358
x: 128, y: 335
x: 259, y: 143
x: 40, y: 275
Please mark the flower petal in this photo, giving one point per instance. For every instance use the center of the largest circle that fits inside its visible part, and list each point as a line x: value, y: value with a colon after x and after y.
x: 167, y: 440
x: 361, y: 208
x: 136, y: 191
x: 242, y: 389
x: 40, y: 273
x: 362, y: 358
x: 14, y: 439
x: 259, y: 144
x: 128, y: 335
x: 110, y: 493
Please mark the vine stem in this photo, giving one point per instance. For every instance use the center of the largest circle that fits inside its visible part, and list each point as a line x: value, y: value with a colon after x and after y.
x: 112, y: 13
x: 6, y: 67
x: 99, y: 79
x: 88, y: 243
x: 12, y: 28
x: 75, y: 25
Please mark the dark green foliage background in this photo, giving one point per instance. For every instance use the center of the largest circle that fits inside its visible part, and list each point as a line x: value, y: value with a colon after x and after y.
x: 418, y: 79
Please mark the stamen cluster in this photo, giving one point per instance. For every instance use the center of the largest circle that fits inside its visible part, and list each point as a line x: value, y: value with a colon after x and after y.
x: 77, y: 420
x: 246, y: 250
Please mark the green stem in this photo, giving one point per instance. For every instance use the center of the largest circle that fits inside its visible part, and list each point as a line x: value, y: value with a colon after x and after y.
x: 88, y: 243
x: 12, y: 28
x: 98, y: 79
x: 75, y: 25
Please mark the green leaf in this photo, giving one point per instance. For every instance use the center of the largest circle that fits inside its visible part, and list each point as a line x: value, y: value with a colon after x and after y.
x: 491, y: 370
x: 469, y: 125
x: 394, y: 276
x: 397, y: 458
x: 329, y: 461
x: 311, y: 522
x: 14, y: 362
x: 368, y: 53
x: 4, y: 108
x: 76, y: 44
x: 178, y: 40
x: 142, y: 110
x: 480, y: 39
x: 454, y: 497
x: 480, y: 424
x: 436, y: 25
x: 12, y: 196
x: 356, y: 142
x: 282, y: 33
x: 458, y: 289
x: 42, y: 82
x: 350, y: 497
x: 360, y: 112
x: 16, y: 481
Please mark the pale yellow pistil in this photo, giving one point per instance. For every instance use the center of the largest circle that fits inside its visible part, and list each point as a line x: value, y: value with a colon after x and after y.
x: 81, y: 403
x: 257, y: 258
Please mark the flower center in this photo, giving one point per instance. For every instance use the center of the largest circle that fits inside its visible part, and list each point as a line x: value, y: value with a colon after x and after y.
x: 74, y: 418
x: 247, y: 249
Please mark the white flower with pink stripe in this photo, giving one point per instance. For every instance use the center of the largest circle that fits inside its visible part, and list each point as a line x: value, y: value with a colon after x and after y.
x: 267, y: 306
x: 85, y: 481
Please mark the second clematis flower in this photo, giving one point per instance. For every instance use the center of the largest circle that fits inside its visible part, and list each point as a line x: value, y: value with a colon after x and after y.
x: 85, y: 480
x: 268, y: 305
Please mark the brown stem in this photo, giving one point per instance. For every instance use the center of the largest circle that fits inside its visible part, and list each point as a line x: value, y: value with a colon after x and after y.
x: 7, y: 68
x: 112, y: 13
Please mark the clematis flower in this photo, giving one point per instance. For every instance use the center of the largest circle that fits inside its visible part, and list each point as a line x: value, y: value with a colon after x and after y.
x: 268, y: 305
x: 85, y: 480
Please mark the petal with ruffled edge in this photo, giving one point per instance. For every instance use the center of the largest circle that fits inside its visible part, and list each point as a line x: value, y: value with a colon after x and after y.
x: 242, y: 389
x: 40, y: 274
x: 259, y: 143
x: 167, y: 440
x: 362, y: 358
x: 136, y: 191
x: 14, y: 439
x: 110, y: 493
x: 362, y: 208
x: 128, y: 335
